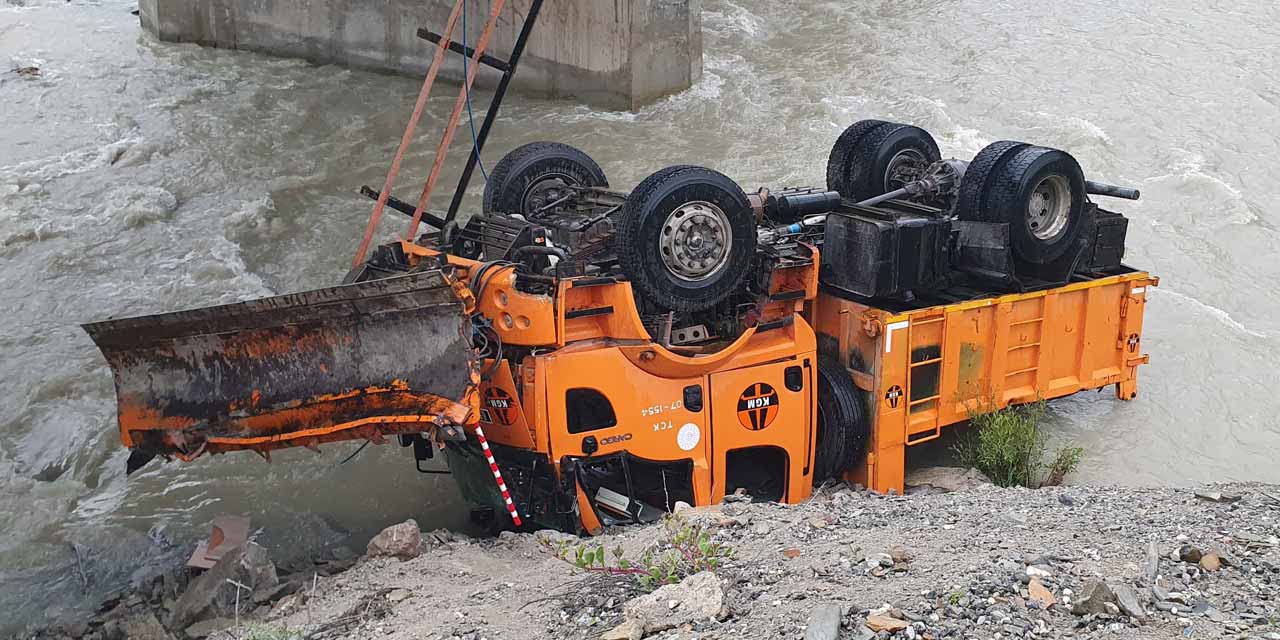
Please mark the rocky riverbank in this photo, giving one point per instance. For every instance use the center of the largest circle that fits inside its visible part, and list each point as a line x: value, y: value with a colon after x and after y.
x: 978, y: 562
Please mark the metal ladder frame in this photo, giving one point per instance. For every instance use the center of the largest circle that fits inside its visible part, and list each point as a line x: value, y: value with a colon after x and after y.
x: 444, y: 42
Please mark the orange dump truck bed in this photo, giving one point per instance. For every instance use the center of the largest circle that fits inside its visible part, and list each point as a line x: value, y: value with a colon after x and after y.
x: 926, y: 368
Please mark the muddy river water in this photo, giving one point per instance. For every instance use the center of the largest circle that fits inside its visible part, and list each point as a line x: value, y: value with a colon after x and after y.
x: 138, y: 177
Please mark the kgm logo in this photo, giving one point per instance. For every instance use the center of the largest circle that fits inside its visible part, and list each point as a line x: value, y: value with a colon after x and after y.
x: 758, y: 406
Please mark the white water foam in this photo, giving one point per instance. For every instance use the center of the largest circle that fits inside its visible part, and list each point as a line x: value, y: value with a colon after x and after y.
x: 1218, y: 314
x: 1188, y: 175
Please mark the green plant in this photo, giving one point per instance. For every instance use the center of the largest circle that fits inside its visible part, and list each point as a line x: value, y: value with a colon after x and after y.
x: 684, y: 550
x: 1064, y: 462
x: 1008, y: 445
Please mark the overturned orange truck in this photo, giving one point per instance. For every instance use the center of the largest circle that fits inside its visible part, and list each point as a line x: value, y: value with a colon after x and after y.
x: 618, y: 352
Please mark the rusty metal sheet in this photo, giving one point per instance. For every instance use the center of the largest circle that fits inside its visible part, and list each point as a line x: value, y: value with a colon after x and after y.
x: 358, y: 361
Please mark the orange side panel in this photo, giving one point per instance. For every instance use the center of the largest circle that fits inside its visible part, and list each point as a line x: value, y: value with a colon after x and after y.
x: 929, y: 368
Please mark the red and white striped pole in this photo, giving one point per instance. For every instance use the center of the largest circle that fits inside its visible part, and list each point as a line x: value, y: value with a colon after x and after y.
x: 497, y: 475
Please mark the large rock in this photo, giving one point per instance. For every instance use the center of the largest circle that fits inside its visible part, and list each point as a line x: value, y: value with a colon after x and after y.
x: 1128, y: 602
x: 824, y: 623
x: 879, y: 623
x: 947, y: 478
x: 1151, y: 564
x: 206, y: 628
x: 213, y: 593
x: 698, y: 597
x: 144, y: 627
x: 402, y: 541
x: 1094, y: 598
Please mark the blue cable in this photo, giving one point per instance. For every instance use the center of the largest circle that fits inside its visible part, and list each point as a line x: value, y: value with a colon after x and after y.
x: 471, y: 117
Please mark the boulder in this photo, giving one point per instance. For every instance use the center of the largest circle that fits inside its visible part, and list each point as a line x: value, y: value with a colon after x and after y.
x: 698, y: 597
x: 212, y: 592
x: 402, y: 541
x: 1189, y: 554
x: 824, y: 623
x: 144, y: 627
x: 1041, y: 593
x: 1128, y: 602
x: 628, y: 630
x: 1151, y: 564
x: 267, y: 594
x: 901, y: 554
x: 1210, y: 562
x: 880, y: 623
x: 947, y: 478
x: 206, y: 628
x: 1094, y: 598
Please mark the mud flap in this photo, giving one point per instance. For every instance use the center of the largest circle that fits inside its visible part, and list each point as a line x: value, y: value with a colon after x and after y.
x: 358, y: 361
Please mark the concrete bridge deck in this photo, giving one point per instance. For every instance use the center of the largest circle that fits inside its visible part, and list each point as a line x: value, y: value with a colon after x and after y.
x: 617, y: 54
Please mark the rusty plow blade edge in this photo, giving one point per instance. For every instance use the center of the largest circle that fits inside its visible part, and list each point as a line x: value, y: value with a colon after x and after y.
x: 358, y: 361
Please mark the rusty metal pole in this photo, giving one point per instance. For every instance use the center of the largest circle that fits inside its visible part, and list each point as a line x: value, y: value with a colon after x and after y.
x: 418, y: 108
x: 452, y: 126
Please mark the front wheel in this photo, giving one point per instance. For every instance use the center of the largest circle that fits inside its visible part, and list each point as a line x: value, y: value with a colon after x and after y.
x: 533, y: 178
x: 686, y: 238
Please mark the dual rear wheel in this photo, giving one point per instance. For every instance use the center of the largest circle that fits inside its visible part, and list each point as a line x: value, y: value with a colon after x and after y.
x: 1039, y: 192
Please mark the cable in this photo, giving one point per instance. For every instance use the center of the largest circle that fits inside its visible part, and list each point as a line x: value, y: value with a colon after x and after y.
x: 356, y: 452
x: 466, y: 89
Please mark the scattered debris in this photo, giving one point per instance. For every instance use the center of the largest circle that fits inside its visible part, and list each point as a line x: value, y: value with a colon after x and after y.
x: 791, y: 580
x: 1218, y: 496
x: 947, y: 479
x: 228, y: 533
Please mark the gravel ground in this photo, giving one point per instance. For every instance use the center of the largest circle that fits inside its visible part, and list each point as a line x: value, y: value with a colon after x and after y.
x: 983, y: 562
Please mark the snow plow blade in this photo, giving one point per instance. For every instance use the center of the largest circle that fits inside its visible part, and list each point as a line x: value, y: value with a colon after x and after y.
x: 358, y: 361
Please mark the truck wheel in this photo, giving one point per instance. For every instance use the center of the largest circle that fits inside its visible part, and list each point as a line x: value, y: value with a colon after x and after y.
x: 537, y: 174
x: 872, y: 158
x: 842, y: 426
x: 977, y: 179
x: 686, y: 238
x: 1040, y: 193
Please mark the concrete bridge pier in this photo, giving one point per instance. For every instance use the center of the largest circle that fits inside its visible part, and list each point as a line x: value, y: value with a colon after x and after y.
x: 616, y: 54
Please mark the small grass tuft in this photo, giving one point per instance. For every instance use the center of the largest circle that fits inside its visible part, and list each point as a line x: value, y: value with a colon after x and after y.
x: 684, y: 550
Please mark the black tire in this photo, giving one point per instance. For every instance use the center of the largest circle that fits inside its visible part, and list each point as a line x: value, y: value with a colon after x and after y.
x: 1009, y: 197
x: 976, y: 182
x: 516, y: 182
x: 644, y: 221
x: 841, y: 152
x: 842, y: 426
x: 866, y: 156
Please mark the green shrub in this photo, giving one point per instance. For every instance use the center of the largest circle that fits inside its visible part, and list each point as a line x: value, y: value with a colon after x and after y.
x: 1008, y: 445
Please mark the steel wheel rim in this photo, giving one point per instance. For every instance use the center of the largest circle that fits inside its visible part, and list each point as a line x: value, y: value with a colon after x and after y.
x: 696, y: 239
x: 905, y: 166
x: 544, y: 191
x: 1049, y: 207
